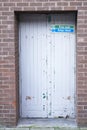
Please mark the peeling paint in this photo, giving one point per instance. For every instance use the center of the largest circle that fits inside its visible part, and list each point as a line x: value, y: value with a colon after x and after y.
x: 28, y: 98
x: 49, y: 113
x: 50, y: 81
x: 43, y: 107
x: 44, y: 96
x: 60, y: 117
x: 67, y: 116
x: 69, y: 97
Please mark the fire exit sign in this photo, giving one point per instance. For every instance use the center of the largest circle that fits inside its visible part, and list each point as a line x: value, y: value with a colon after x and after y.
x: 62, y: 28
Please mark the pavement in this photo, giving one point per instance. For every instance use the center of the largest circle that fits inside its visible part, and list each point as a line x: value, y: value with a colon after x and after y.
x: 45, y: 124
x: 44, y: 128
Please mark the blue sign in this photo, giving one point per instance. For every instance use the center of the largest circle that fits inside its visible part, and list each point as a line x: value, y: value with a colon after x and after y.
x: 62, y: 28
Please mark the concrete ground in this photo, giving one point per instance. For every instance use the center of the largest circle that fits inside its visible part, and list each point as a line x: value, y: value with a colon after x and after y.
x: 58, y: 122
x: 45, y: 124
x: 44, y: 128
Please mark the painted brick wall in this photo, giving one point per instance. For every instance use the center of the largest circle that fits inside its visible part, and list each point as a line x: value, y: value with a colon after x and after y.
x: 9, y: 54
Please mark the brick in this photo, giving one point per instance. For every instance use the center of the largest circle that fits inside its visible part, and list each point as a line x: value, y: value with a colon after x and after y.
x: 84, y: 3
x: 0, y: 4
x: 30, y: 0
x: 82, y: 103
x: 8, y: 40
x: 62, y: 3
x: 22, y: 4
x: 54, y: 0
x: 82, y: 8
x: 28, y: 8
x: 70, y: 8
x: 85, y: 107
x: 42, y: 0
x: 7, y: 22
x: 3, y: 1
x: 56, y: 8
x: 69, y: 0
x: 9, y: 4
x: 7, y: 31
x: 76, y: 4
x: 35, y: 4
x: 7, y: 13
x: 82, y: 17
x: 3, y: 26
x: 14, y: 1
x: 4, y: 9
x: 42, y: 8
x: 82, y: 43
x: 49, y: 4
x: 3, y: 17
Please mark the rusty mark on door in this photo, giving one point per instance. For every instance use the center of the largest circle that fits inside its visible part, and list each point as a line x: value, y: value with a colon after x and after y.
x: 28, y: 98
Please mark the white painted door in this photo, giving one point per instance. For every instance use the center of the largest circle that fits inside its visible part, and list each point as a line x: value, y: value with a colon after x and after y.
x: 47, y: 63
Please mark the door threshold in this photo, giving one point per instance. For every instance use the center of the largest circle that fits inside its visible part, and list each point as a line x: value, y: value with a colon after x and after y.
x: 23, y: 122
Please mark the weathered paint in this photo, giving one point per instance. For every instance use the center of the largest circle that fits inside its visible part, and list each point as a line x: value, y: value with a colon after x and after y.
x: 47, y: 67
x: 28, y: 98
